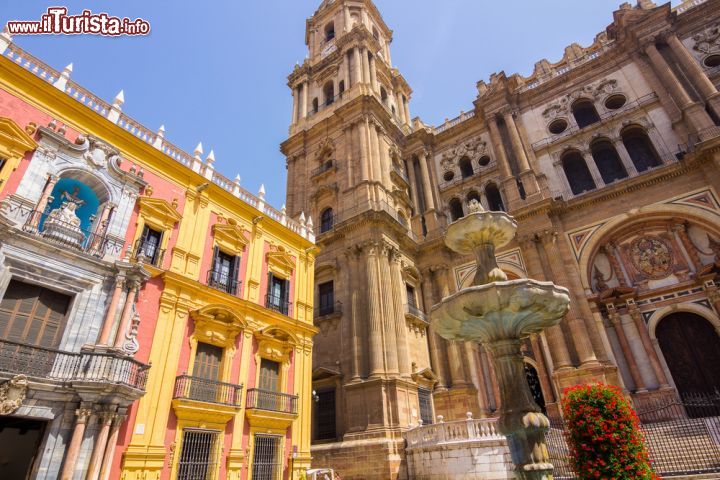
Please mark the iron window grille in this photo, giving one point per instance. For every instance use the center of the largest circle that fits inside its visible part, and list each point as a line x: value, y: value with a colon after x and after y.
x: 199, y: 455
x: 267, y: 462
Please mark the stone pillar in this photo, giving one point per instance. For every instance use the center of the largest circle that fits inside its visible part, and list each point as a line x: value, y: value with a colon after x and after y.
x: 111, y: 444
x: 516, y: 142
x: 356, y: 341
x: 296, y: 104
x: 361, y: 129
x: 625, y: 157
x: 304, y: 99
x: 611, y: 252
x: 499, y: 149
x: 373, y: 72
x: 376, y: 168
x: 365, y: 66
x: 427, y: 187
x: 694, y: 114
x: 681, y: 230
x: 389, y: 314
x: 410, y: 163
x: 346, y: 71
x: 375, y: 344
x: 594, y: 172
x: 542, y: 370
x: 696, y: 73
x: 383, y: 156
x: 396, y: 281
x: 648, y: 346
x: 112, y: 309
x: 626, y: 350
x: 357, y: 66
x: 577, y: 328
x: 133, y: 286
x: 43, y: 201
x: 347, y: 19
x: 455, y: 359
x: 555, y: 337
x: 435, y: 342
x: 400, y: 109
x: 105, y: 419
x: 405, y: 106
x: 73, y: 450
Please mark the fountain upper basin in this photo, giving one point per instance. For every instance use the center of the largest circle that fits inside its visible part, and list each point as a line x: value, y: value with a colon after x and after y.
x: 500, y: 310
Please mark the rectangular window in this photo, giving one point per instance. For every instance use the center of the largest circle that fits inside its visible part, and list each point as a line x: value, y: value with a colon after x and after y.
x: 425, y: 401
x: 278, y: 296
x: 149, y: 245
x: 32, y: 314
x: 326, y: 293
x: 224, y: 274
x: 198, y: 455
x: 269, y: 375
x: 206, y: 372
x: 325, y: 415
x: 267, y: 464
x: 410, y: 296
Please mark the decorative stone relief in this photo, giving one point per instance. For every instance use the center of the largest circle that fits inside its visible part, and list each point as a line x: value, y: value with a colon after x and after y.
x: 12, y: 394
x: 652, y: 257
x: 473, y: 149
x: 708, y: 41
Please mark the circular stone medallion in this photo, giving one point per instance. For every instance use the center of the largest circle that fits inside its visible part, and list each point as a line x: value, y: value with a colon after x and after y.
x: 652, y: 257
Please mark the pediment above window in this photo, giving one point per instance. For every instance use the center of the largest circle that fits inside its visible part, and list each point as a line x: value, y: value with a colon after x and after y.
x: 280, y: 262
x: 13, y: 139
x: 159, y: 212
x: 217, y: 325
x: 230, y: 237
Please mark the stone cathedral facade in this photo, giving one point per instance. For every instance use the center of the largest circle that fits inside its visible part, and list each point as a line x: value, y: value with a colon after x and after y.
x: 608, y: 159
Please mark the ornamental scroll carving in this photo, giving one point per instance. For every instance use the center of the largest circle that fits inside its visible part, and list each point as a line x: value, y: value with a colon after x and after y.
x: 12, y: 394
x: 708, y: 41
x: 597, y: 90
x: 472, y: 149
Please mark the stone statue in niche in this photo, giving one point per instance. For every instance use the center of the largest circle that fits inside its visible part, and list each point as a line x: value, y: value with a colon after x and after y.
x: 715, y: 247
x: 652, y: 257
x: 12, y: 394
x: 63, y: 225
x: 600, y: 283
x: 73, y: 197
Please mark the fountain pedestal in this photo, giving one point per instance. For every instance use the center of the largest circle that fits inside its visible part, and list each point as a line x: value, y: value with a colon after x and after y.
x: 499, y: 313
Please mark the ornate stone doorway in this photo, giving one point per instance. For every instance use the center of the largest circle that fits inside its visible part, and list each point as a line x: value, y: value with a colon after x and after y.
x: 20, y: 439
x: 691, y: 347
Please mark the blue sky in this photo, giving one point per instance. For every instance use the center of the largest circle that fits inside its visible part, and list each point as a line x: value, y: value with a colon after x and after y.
x: 215, y: 71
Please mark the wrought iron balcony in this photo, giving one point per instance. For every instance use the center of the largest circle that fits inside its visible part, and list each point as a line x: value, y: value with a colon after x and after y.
x: 271, y: 401
x: 327, y: 310
x: 223, y: 282
x: 415, y: 312
x: 57, y: 365
x: 57, y: 231
x: 147, y: 253
x: 210, y: 391
x: 277, y: 304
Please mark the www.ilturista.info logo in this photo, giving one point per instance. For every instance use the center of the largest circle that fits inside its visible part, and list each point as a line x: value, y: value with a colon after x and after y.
x: 57, y: 22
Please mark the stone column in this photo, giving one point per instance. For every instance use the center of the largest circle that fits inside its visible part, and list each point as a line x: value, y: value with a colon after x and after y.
x: 427, y: 187
x: 112, y: 309
x: 627, y: 351
x: 681, y: 231
x: 304, y: 99
x: 625, y: 157
x: 357, y: 66
x: 365, y: 66
x: 594, y: 172
x: 516, y: 142
x: 403, y: 353
x: 111, y: 444
x: 133, y: 286
x: 435, y: 342
x: 346, y: 72
x: 410, y: 163
x: 578, y: 330
x: 296, y: 104
x: 347, y: 19
x: 73, y: 450
x: 555, y: 337
x: 356, y: 344
x: 375, y: 344
x: 105, y: 419
x: 43, y: 201
x: 400, y: 109
x: 648, y: 346
x: 389, y: 316
x: 696, y: 73
x: 405, y: 106
x: 499, y: 149
x: 373, y: 73
x: 361, y: 128
x: 611, y: 252
x: 542, y: 370
x: 383, y: 158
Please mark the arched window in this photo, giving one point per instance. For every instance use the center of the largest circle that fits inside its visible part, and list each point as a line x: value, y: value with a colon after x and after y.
x: 329, y: 93
x: 607, y: 160
x: 329, y: 31
x: 327, y: 220
x: 473, y: 195
x: 456, y: 209
x: 466, y: 169
x: 383, y: 95
x: 495, y: 203
x: 315, y: 105
x: 585, y: 113
x: 341, y: 87
x: 640, y: 148
x: 577, y: 173
x: 376, y: 34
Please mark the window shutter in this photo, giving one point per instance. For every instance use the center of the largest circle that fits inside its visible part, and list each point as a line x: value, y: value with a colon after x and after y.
x: 236, y: 269
x: 32, y: 314
x: 271, y: 281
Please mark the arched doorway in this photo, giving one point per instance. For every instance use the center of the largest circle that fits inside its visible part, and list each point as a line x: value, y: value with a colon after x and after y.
x: 691, y: 347
x: 533, y: 380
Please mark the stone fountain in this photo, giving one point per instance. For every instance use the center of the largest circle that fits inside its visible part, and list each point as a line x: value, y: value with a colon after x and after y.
x: 499, y: 313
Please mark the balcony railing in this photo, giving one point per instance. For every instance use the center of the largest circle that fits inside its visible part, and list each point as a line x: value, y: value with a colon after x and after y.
x: 210, y: 391
x: 325, y: 167
x: 69, y: 235
x: 51, y: 364
x: 379, y: 206
x: 396, y: 170
x: 277, y: 304
x: 325, y: 310
x: 223, y: 282
x: 271, y: 401
x: 462, y: 431
x: 144, y: 252
x: 415, y: 312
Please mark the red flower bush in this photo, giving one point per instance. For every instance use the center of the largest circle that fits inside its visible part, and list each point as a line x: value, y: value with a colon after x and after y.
x: 604, y: 435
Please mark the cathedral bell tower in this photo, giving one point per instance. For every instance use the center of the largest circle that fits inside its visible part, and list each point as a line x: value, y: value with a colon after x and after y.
x: 346, y: 172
